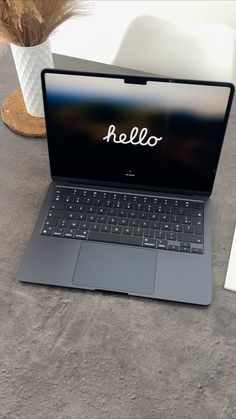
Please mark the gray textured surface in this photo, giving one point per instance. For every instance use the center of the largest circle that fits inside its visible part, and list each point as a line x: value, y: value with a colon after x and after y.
x: 72, y: 354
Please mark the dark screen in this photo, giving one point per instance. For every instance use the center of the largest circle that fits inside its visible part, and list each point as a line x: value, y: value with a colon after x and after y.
x: 161, y: 135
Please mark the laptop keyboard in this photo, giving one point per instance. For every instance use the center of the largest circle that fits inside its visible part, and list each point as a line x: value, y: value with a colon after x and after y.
x: 138, y: 220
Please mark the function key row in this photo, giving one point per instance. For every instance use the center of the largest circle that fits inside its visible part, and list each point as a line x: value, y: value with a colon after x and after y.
x: 70, y: 194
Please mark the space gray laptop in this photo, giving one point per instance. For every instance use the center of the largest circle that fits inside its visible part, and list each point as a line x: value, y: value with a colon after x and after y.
x: 133, y: 161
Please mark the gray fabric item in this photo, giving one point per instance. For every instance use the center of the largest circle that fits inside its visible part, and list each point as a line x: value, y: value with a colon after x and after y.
x: 75, y: 354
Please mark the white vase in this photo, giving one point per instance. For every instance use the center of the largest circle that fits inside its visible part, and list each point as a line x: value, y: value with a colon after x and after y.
x: 29, y: 62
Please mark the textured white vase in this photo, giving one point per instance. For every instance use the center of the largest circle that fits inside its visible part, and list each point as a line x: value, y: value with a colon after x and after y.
x: 29, y: 62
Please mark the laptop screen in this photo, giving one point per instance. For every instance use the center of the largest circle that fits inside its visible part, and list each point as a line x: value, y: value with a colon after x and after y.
x: 156, y: 134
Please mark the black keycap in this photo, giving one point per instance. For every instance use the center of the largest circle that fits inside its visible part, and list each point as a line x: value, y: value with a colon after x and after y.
x: 138, y: 231
x: 155, y: 225
x: 133, y: 223
x: 73, y: 224
x: 162, y: 244
x: 63, y: 223
x: 84, y: 225
x: 70, y: 215
x: 177, y: 227
x: 166, y: 226
x: 198, y: 226
x: 95, y: 227
x: 116, y: 229
x: 173, y: 247
x: 195, y: 212
x: 148, y: 242
x: 189, y: 238
x: 185, y: 244
x: 160, y: 234
x: 115, y: 238
x: 81, y: 216
x: 58, y: 205
x: 188, y: 229
x: 184, y: 249
x: 105, y: 228
x: 144, y: 223
x: 58, y: 232
x: 112, y: 220
x: 68, y: 232
x: 91, y: 217
x: 56, y: 214
x: 154, y: 216
x: 80, y: 234
x: 51, y: 222
x: 47, y: 231
x: 123, y: 221
x: 127, y: 230
x: 170, y: 236
x: 198, y: 205
x: 196, y: 250
x: 148, y: 233
x: 101, y: 218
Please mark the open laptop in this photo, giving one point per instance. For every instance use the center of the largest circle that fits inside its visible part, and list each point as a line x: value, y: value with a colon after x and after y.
x: 133, y: 161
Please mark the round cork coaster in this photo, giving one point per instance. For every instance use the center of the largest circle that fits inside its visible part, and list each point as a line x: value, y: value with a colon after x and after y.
x: 15, y: 116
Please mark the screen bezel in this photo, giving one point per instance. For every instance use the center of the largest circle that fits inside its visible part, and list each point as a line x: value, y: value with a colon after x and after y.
x: 134, y: 79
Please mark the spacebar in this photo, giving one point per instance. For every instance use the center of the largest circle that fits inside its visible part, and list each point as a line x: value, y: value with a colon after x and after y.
x: 115, y: 238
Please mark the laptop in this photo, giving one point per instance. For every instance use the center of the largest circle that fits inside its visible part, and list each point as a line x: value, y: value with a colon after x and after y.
x: 133, y: 161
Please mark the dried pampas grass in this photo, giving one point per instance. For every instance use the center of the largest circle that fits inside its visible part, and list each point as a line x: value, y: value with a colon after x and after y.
x: 30, y: 22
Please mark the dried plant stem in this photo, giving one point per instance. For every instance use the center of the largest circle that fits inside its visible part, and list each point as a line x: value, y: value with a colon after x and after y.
x: 31, y: 22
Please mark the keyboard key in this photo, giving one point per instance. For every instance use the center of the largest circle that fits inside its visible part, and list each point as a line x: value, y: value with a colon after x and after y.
x: 198, y: 225
x: 177, y: 227
x: 70, y: 215
x: 112, y: 220
x: 189, y: 238
x: 73, y: 224
x: 56, y: 214
x: 51, y: 222
x: 84, y: 225
x: 47, y: 231
x: 184, y: 249
x: 144, y: 223
x: 62, y: 223
x: 155, y: 225
x: 115, y: 238
x: 162, y: 244
x: 58, y: 205
x: 81, y: 216
x: 133, y: 223
x: 123, y: 221
x: 166, y: 226
x: 173, y: 247
x: 170, y: 236
x: 188, y: 229
x: 196, y: 250
x: 194, y: 212
x: 127, y: 230
x: 68, y: 232
x: 160, y: 234
x: 105, y: 228
x: 95, y: 227
x: 149, y: 242
x: 116, y: 229
x: 102, y: 218
x: 58, y: 232
x: 149, y: 233
x: 138, y: 231
x: 80, y: 234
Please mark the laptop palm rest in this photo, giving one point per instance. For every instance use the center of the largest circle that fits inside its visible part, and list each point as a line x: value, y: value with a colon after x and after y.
x: 115, y: 268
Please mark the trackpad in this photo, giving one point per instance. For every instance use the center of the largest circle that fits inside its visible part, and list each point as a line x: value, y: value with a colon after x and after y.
x: 116, y: 268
